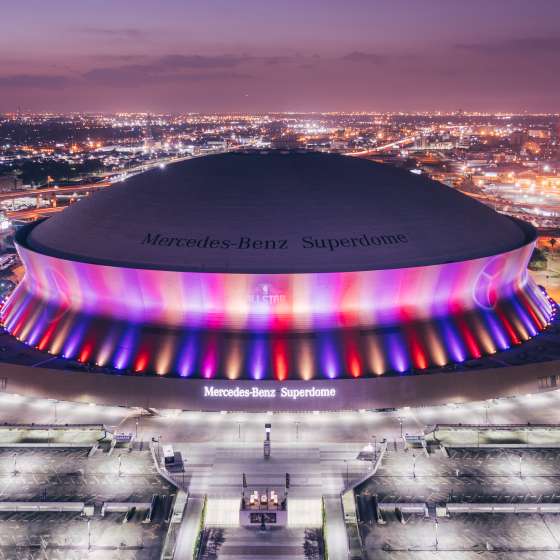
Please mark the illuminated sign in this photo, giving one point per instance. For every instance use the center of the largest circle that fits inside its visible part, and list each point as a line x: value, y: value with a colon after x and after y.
x: 255, y: 392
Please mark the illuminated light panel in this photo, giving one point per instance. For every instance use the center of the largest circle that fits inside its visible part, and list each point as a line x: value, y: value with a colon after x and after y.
x: 362, y: 323
x: 280, y: 359
x: 124, y: 351
x: 234, y: 361
x: 353, y: 360
x: 328, y: 355
x: 164, y: 356
x: 187, y: 356
x: 141, y: 362
x: 306, y: 361
x: 397, y: 352
x: 376, y: 355
x: 258, y: 360
x: 86, y: 351
x: 210, y: 358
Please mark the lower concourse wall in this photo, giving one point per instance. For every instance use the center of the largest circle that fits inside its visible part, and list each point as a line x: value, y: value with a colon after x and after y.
x: 258, y: 396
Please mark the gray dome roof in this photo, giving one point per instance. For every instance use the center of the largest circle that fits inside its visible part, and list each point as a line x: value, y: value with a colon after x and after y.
x: 277, y: 212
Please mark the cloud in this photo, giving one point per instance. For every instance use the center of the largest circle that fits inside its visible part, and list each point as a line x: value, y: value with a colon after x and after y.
x: 33, y: 81
x: 517, y: 46
x: 134, y: 76
x: 178, y: 61
x: 112, y: 33
x: 178, y: 68
x: 172, y: 67
x: 364, y: 57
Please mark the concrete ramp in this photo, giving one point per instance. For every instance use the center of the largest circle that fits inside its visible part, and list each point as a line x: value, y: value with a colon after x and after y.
x: 305, y: 512
x: 222, y: 512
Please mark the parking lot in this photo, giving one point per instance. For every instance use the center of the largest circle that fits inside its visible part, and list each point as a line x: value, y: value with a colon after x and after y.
x: 465, y: 537
x: 67, y: 475
x: 475, y: 476
x: 469, y: 475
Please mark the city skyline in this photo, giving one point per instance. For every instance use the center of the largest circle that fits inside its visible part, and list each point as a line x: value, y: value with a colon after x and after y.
x: 248, y: 56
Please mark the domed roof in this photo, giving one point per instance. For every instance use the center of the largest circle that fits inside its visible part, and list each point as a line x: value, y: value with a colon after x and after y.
x: 277, y: 212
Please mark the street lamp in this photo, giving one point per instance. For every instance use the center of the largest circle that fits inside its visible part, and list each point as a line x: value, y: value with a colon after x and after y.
x: 436, y: 526
x: 89, y: 534
x: 413, y: 465
x: 120, y: 465
x: 520, y: 461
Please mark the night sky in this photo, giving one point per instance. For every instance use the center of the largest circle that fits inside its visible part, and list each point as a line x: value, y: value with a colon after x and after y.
x: 289, y: 55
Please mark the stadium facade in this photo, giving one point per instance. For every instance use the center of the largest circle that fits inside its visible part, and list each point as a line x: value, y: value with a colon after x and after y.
x: 294, y: 268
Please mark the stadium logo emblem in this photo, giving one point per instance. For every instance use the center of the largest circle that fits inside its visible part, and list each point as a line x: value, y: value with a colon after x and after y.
x: 267, y: 294
x: 484, y: 289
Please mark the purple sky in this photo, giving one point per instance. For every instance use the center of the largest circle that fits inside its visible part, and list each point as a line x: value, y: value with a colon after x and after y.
x: 288, y: 55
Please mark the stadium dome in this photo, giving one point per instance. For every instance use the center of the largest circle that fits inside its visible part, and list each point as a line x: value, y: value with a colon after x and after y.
x: 277, y: 213
x: 276, y: 266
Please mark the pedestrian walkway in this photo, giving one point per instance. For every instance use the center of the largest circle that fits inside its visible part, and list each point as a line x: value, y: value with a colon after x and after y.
x: 272, y: 544
x: 335, y: 530
x: 190, y: 528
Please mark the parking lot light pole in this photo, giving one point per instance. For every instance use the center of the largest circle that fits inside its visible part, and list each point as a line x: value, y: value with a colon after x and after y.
x: 413, y: 465
x: 520, y: 461
x: 15, y: 464
x: 89, y: 534
x: 120, y: 465
x: 436, y: 526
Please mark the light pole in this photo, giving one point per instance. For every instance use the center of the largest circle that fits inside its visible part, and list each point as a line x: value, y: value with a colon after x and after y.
x: 374, y: 449
x: 15, y: 465
x: 120, y: 465
x: 413, y: 465
x: 436, y: 525
x: 346, y: 461
x: 239, y: 430
x: 520, y: 461
x: 297, y: 431
x: 89, y: 534
x: 401, y: 425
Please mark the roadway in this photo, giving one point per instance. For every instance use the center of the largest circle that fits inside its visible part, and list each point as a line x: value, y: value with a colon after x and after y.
x: 377, y: 149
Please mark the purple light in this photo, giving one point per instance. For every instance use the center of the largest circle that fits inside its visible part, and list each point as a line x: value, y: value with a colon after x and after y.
x: 258, y: 358
x: 397, y: 352
x: 125, y: 349
x: 188, y: 355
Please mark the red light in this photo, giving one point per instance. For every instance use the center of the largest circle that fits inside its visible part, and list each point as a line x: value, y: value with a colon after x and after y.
x: 280, y: 357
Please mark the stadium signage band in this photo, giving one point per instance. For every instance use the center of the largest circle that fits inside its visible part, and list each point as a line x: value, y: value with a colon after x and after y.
x: 249, y: 243
x: 255, y: 392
